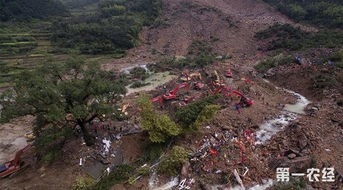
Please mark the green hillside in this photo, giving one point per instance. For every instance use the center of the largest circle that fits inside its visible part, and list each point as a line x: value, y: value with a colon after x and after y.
x: 23, y: 10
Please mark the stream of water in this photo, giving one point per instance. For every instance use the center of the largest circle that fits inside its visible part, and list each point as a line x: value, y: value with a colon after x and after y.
x: 289, y: 113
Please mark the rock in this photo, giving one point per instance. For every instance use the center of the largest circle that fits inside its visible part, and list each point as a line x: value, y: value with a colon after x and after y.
x: 291, y: 156
x: 185, y: 169
x: 315, y: 108
x: 219, y: 57
x: 335, y: 119
x: 225, y: 127
x: 270, y: 72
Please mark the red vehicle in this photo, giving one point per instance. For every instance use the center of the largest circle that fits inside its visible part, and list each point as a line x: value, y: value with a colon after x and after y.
x: 227, y: 91
x: 171, y: 95
x: 14, y: 165
x: 244, y: 100
x: 228, y: 73
x: 222, y: 89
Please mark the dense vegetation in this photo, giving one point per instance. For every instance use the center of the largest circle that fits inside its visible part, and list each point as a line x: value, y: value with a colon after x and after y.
x: 173, y: 161
x: 290, y: 38
x: 189, y: 114
x: 113, y: 28
x: 11, y: 44
x: 160, y: 127
x: 78, y: 3
x: 23, y: 10
x: 62, y: 97
x: 319, y: 12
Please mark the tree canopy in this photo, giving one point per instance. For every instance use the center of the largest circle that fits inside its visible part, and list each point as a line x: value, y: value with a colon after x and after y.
x: 114, y: 27
x: 159, y: 126
x: 319, y: 12
x: 28, y: 9
x: 63, y: 95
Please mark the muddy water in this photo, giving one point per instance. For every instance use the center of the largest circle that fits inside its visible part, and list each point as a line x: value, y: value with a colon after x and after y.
x: 155, y: 80
x: 290, y: 113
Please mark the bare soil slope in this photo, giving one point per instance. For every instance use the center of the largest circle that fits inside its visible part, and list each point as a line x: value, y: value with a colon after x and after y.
x: 228, y: 26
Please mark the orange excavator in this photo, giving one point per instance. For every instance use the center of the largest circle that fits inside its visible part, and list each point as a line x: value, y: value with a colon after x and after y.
x: 244, y: 102
x: 222, y: 89
x: 171, y: 95
x: 14, y: 165
x: 227, y: 91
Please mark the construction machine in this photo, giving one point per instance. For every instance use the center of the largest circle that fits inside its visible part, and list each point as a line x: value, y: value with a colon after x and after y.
x: 190, y: 76
x: 244, y: 102
x: 217, y: 81
x: 228, y: 73
x: 171, y: 95
x: 222, y: 89
x: 227, y: 91
x: 14, y: 165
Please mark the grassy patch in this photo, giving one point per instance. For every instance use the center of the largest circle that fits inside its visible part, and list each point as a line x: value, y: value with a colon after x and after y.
x: 138, y: 84
x: 272, y: 62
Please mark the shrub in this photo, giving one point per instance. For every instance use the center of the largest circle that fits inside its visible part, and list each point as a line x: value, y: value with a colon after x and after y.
x: 202, y: 60
x: 187, y: 115
x: 83, y: 183
x: 324, y: 80
x: 159, y: 126
x: 139, y: 73
x: 119, y: 174
x: 153, y: 151
x: 172, y: 164
x: 272, y: 62
x: 205, y: 115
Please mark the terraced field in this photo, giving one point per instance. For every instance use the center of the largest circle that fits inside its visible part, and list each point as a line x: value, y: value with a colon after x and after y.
x: 23, y: 48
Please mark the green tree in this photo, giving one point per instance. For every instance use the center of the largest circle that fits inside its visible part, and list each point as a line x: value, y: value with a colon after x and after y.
x: 159, y: 126
x: 173, y: 162
x: 205, y: 115
x: 63, y: 95
x: 187, y: 115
